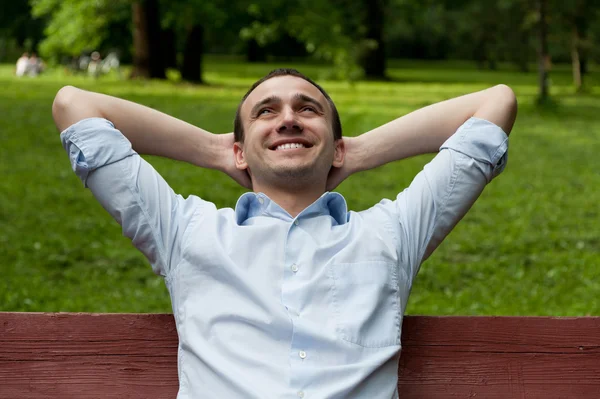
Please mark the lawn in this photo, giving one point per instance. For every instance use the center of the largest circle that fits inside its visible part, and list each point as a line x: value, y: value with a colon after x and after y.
x: 529, y: 246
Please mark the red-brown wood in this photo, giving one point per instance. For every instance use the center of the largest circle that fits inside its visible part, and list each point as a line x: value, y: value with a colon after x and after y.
x: 500, y: 357
x: 72, y: 355
x: 60, y: 355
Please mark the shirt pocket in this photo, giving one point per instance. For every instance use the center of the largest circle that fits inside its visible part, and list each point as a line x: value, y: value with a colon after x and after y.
x: 365, y: 302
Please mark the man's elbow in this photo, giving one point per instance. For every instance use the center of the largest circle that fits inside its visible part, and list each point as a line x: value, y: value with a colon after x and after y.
x: 68, y: 107
x: 506, y: 102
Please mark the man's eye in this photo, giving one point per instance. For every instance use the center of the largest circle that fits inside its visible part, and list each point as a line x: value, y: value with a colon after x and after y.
x: 264, y: 111
x: 309, y: 108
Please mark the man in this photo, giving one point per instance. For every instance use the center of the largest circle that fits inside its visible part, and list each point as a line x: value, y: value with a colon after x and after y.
x: 289, y: 294
x: 22, y: 65
x: 35, y: 65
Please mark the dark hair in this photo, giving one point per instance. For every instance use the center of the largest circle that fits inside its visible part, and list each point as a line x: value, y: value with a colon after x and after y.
x: 238, y: 127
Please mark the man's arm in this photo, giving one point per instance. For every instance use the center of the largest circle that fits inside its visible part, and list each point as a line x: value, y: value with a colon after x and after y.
x: 150, y: 132
x: 104, y: 153
x: 472, y: 132
x: 425, y: 130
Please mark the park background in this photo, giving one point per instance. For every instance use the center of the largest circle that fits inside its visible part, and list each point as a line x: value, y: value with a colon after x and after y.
x: 529, y: 246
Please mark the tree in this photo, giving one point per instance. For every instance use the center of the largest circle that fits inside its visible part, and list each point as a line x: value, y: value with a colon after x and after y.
x: 575, y: 19
x: 190, y: 20
x: 372, y: 59
x: 191, y: 70
x: 148, y: 60
x: 75, y: 26
x: 543, y: 57
x: 16, y: 23
x: 331, y: 30
x: 425, y: 29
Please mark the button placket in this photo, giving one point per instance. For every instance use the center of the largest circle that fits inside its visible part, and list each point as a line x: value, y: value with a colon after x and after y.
x: 290, y: 298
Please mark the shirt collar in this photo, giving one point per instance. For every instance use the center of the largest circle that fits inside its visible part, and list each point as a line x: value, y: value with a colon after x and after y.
x: 250, y: 205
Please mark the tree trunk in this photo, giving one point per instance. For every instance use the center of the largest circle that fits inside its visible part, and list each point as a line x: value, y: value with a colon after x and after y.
x: 255, y: 53
x: 169, y: 48
x: 157, y: 62
x: 575, y: 59
x: 543, y: 52
x: 372, y: 59
x: 141, y: 48
x: 147, y: 58
x: 579, y: 44
x: 523, y: 55
x: 191, y: 69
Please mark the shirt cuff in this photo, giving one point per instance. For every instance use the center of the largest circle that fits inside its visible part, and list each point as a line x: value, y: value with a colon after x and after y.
x: 483, y: 141
x: 92, y: 143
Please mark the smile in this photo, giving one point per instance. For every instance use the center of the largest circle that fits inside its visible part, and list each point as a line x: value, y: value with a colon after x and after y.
x: 289, y: 146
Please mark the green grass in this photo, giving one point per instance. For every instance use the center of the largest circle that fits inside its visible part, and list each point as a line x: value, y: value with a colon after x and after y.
x: 529, y: 246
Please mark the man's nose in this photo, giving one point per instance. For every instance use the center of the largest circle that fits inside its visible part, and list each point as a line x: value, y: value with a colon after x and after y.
x: 289, y: 122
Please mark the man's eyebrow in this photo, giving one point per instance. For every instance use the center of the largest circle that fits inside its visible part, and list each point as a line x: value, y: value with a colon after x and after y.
x: 307, y: 99
x: 264, y: 101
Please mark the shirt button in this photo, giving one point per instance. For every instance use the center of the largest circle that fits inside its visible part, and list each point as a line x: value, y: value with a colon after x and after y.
x: 261, y: 200
x: 300, y: 394
x: 302, y: 354
x: 294, y: 268
x: 296, y: 222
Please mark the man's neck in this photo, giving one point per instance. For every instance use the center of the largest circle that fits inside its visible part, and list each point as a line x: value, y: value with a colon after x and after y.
x: 293, y: 200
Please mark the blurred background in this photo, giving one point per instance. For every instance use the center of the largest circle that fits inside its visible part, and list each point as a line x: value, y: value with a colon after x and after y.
x: 530, y: 245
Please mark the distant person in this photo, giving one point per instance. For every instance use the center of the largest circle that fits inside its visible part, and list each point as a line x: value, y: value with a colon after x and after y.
x: 22, y: 65
x: 288, y: 294
x: 111, y: 62
x: 94, y: 67
x: 35, y: 65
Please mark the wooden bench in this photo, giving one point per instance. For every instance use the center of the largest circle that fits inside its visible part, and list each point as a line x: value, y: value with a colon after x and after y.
x: 71, y: 355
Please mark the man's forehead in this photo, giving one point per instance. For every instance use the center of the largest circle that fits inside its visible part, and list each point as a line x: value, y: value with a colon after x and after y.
x: 284, y: 87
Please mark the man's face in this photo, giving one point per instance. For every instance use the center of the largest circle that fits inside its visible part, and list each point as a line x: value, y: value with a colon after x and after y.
x: 288, y: 137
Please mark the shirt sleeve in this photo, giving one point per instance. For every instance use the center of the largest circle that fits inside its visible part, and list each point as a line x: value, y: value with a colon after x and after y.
x: 130, y: 189
x: 443, y: 192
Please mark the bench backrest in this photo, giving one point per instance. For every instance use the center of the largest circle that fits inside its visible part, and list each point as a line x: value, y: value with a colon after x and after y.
x: 69, y: 355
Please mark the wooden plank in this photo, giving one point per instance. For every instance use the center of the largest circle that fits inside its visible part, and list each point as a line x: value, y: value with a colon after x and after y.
x: 62, y: 355
x: 56, y: 355
x: 500, y: 357
x: 498, y: 375
x: 505, y: 334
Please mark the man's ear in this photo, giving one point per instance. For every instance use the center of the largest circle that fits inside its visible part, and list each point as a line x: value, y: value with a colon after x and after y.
x: 339, y: 153
x: 240, y: 156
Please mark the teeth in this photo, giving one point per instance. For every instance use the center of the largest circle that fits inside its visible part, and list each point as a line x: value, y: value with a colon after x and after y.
x: 289, y: 146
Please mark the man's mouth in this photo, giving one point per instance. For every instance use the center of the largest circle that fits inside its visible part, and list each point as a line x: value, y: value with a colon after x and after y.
x: 289, y: 146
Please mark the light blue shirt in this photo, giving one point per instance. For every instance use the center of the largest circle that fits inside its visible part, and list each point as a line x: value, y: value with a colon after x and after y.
x: 271, y: 306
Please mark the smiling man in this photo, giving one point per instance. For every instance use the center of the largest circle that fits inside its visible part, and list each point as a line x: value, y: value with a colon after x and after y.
x: 289, y: 294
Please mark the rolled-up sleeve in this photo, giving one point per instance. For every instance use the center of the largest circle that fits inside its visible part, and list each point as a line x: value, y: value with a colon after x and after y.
x: 443, y: 192
x: 93, y: 143
x: 130, y: 189
x: 484, y: 142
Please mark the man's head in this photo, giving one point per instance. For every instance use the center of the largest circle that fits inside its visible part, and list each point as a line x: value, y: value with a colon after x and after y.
x: 238, y: 126
x: 287, y: 131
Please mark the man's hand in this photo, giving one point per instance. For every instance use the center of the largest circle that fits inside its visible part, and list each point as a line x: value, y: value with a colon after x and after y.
x: 227, y: 166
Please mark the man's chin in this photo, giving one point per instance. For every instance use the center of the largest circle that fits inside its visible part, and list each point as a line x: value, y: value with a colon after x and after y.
x: 294, y: 174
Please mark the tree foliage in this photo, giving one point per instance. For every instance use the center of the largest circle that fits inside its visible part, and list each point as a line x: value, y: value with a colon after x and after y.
x: 78, y: 25
x: 354, y: 35
x: 334, y: 31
